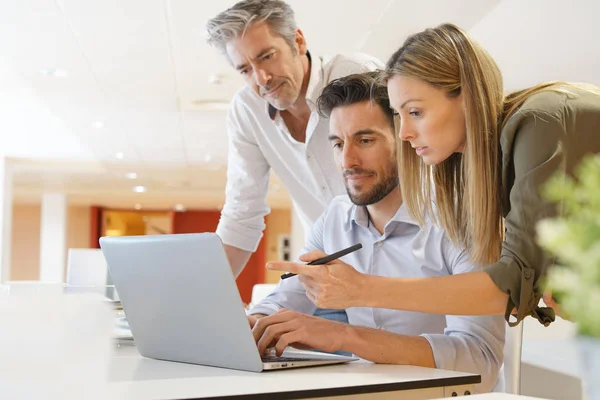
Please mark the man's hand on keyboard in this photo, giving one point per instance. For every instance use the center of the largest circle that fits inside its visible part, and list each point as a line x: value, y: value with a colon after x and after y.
x: 289, y: 328
x: 253, y: 318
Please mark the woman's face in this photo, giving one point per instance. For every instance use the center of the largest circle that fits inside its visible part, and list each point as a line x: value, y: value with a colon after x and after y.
x: 430, y: 120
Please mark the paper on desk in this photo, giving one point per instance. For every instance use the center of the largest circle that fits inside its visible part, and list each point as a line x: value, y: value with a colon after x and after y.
x: 54, y: 346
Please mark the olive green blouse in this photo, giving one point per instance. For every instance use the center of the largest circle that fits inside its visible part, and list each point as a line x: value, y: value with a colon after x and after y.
x: 551, y: 132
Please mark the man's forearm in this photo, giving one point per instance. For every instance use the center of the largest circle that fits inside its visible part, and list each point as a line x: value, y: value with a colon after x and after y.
x: 448, y: 295
x: 237, y: 258
x: 387, y: 348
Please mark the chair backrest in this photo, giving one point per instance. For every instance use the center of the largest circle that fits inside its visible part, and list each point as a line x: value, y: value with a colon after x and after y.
x: 512, y: 359
x: 87, y: 272
x: 260, y: 291
x: 86, y: 267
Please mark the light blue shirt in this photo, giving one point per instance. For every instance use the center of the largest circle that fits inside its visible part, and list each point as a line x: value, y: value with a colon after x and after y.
x: 463, y: 343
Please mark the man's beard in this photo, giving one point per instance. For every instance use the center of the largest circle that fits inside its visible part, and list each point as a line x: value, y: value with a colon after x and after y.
x: 377, y: 192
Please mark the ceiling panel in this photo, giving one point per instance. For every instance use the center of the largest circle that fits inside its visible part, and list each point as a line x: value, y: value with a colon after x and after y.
x: 29, y: 130
x: 37, y: 39
x: 336, y: 26
x: 547, y: 40
x: 195, y: 60
x: 132, y: 53
x: 404, y: 18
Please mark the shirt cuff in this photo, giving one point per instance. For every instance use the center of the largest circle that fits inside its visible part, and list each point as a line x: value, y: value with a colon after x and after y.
x: 264, y: 308
x: 242, y: 238
x: 443, y: 353
x: 520, y: 285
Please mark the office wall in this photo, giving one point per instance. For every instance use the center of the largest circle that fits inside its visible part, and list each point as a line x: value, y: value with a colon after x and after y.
x: 25, y: 252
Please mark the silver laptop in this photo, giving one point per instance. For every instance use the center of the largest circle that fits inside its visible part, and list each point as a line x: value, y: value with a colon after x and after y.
x: 182, y: 303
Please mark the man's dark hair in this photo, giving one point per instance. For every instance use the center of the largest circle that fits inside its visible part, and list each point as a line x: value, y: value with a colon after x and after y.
x: 355, y: 88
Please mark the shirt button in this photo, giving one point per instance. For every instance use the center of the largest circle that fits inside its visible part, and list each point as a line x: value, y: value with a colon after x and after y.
x: 527, y: 274
x: 379, y: 244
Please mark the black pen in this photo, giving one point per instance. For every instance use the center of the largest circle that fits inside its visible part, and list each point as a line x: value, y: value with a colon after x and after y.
x: 328, y: 258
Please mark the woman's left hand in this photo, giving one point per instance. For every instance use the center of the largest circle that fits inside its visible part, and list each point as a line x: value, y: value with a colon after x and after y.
x: 334, y: 285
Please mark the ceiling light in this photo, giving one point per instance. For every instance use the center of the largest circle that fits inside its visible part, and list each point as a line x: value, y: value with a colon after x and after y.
x: 140, y: 189
x: 179, y: 207
x: 215, y: 79
x: 131, y: 175
x: 55, y: 72
x: 120, y: 155
x: 138, y: 206
x: 207, y: 158
x: 98, y: 124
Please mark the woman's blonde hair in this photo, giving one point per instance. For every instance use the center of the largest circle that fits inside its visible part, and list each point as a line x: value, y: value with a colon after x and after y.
x: 467, y: 186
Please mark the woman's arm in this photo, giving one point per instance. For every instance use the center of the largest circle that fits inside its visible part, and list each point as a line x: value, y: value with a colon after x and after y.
x: 472, y: 293
x: 339, y: 285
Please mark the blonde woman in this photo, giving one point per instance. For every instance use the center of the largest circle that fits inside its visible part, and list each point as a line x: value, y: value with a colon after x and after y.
x: 472, y: 160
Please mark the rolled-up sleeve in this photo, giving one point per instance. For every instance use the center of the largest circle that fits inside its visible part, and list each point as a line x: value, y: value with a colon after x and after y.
x: 472, y: 344
x: 536, y: 153
x: 243, y: 216
x: 290, y: 293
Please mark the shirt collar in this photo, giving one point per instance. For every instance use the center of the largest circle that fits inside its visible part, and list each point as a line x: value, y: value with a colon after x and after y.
x: 314, y: 88
x: 360, y: 216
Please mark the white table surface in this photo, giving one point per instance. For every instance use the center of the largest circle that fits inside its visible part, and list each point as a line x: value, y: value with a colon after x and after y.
x: 136, y: 377
x: 501, y: 396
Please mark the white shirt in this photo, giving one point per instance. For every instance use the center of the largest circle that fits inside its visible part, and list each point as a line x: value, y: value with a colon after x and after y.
x: 463, y: 343
x: 259, y: 140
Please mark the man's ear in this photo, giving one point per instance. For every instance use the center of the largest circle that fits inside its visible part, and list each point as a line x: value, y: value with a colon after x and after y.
x: 300, y: 42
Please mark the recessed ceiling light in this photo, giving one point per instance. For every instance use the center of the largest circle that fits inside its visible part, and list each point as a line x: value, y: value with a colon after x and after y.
x: 55, y: 72
x: 98, y: 124
x: 179, y: 207
x: 138, y: 206
x: 131, y: 175
x: 120, y: 155
x: 140, y: 189
x: 215, y: 79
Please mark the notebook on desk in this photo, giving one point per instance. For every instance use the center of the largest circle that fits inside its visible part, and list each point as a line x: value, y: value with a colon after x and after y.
x: 182, y: 303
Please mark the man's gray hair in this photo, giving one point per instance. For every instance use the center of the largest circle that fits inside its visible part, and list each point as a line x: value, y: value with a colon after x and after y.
x: 234, y: 21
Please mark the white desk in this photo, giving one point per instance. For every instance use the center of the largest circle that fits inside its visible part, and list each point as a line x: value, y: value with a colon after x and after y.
x: 501, y: 396
x: 134, y: 377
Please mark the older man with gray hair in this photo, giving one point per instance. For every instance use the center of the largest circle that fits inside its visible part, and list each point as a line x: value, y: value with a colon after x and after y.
x: 273, y: 121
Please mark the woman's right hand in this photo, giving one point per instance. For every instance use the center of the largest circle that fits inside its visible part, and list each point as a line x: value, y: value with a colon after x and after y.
x: 335, y: 285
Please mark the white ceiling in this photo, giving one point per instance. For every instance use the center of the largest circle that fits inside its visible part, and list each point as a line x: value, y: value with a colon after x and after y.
x: 143, y: 68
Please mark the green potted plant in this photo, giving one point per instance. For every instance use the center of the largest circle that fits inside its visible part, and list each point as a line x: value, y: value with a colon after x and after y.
x: 574, y: 238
